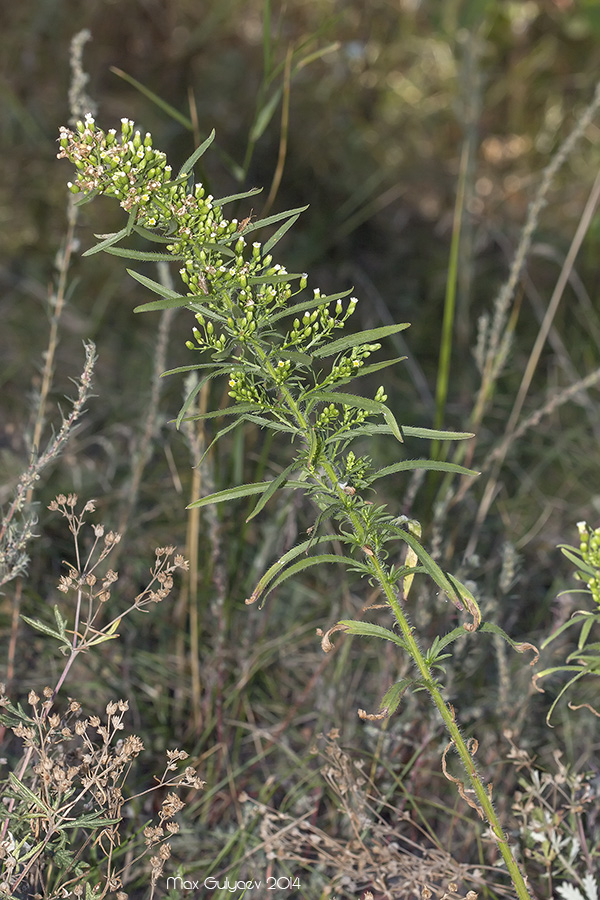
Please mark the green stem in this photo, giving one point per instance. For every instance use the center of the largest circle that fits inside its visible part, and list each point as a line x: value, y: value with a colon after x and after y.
x: 485, y: 809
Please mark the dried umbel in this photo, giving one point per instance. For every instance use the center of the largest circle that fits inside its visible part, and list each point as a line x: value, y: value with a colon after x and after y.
x: 74, y: 791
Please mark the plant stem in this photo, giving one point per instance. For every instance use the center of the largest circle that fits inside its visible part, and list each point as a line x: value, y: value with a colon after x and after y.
x: 485, y: 808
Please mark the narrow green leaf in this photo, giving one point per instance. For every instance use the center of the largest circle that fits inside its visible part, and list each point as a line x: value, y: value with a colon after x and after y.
x: 305, y: 305
x: 392, y: 697
x: 574, y: 620
x: 143, y: 255
x: 273, y: 279
x: 276, y: 217
x: 151, y: 235
x: 167, y: 303
x: 275, y: 238
x: 519, y: 646
x: 235, y: 493
x: 372, y: 406
x: 409, y: 465
x: 368, y: 629
x: 376, y: 367
x: 61, y: 622
x: 578, y: 561
x: 193, y: 159
x: 109, y: 240
x: 274, y: 486
x: 45, y: 629
x: 584, y: 634
x: 156, y: 287
x: 193, y: 393
x: 408, y: 431
x: 356, y: 340
x: 460, y: 595
x: 241, y: 196
x: 283, y: 561
x: 441, y: 642
x: 91, y: 820
x: 274, y: 425
x: 237, y: 410
x: 301, y: 359
x: 434, y: 434
x: 308, y: 563
x: 131, y: 218
x: 24, y: 791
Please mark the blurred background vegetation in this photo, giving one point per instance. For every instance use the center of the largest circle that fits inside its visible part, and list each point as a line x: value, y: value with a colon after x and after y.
x: 383, y: 98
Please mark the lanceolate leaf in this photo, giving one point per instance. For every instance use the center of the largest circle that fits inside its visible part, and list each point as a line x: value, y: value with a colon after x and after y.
x: 271, y: 220
x: 372, y: 406
x: 45, y: 629
x: 409, y: 465
x: 107, y: 242
x: 235, y: 493
x: 357, y: 340
x: 460, y: 595
x: 193, y: 159
x: 368, y: 629
x: 392, y: 697
x: 308, y: 563
x: 313, y: 303
x: 411, y: 431
x: 143, y: 255
x: 281, y: 563
x: 156, y: 286
x: 275, y: 238
x: 278, y: 482
x: 243, y: 195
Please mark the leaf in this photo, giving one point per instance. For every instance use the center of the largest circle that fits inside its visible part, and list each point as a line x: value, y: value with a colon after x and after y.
x: 142, y: 255
x: 356, y: 340
x: 368, y: 629
x: 409, y: 465
x: 241, y: 196
x: 571, y: 892
x: 372, y: 406
x: 574, y: 620
x: 61, y: 623
x: 460, y: 595
x: 193, y: 159
x: 156, y: 287
x: 91, y: 820
x: 275, y: 485
x: 45, y: 629
x: 273, y: 279
x: 519, y: 646
x: 409, y: 431
x: 109, y: 635
x: 291, y: 554
x: 305, y: 305
x: 392, y: 697
x: 308, y: 563
x: 277, y: 217
x: 237, y: 410
x: 275, y: 238
x: 584, y: 634
x: 107, y: 242
x: 24, y: 791
x: 167, y: 303
x: 235, y: 493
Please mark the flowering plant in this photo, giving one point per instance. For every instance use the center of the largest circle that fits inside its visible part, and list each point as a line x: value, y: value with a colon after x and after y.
x: 286, y: 363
